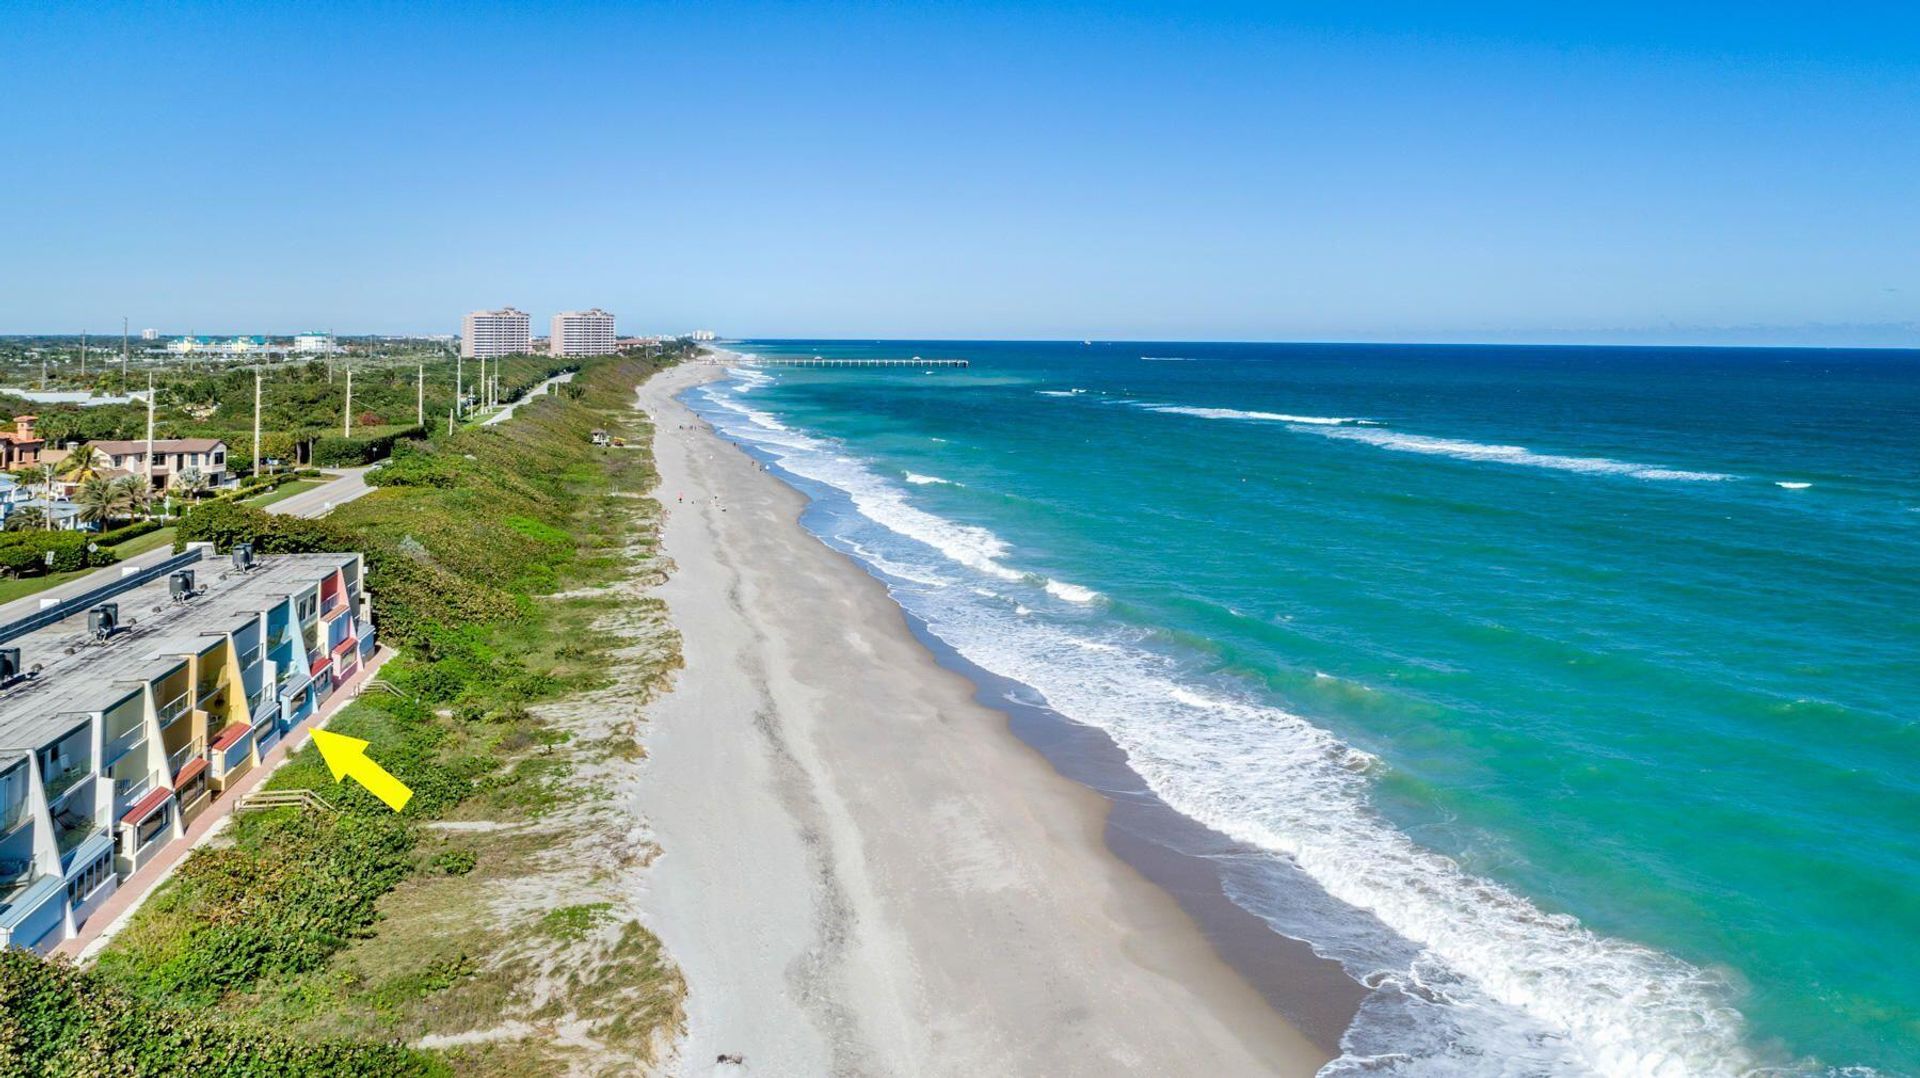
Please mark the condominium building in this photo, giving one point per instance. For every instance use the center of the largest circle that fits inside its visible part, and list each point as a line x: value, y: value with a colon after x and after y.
x: 582, y: 333
x: 488, y: 334
x: 114, y: 737
x: 315, y: 344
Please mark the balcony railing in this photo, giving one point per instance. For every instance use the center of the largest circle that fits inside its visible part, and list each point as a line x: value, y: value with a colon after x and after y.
x: 59, y: 785
x: 248, y: 660
x: 128, y: 791
x: 171, y: 711
x: 122, y: 744
x: 208, y: 694
x: 187, y: 754
x: 68, y: 838
x: 12, y: 816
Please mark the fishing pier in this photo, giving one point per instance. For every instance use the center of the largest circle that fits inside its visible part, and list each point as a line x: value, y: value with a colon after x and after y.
x: 821, y: 362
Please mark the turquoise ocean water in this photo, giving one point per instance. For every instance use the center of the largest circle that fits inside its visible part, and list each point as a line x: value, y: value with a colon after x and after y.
x: 1581, y: 683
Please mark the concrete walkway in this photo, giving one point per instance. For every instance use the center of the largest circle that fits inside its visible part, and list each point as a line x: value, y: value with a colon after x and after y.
x: 120, y: 906
x: 540, y: 390
x: 351, y: 484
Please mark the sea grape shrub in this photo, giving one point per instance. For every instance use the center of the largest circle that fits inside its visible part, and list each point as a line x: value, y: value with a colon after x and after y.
x: 58, y: 1021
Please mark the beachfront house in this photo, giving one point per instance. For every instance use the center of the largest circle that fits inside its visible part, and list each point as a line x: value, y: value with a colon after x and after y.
x: 173, y: 458
x: 120, y: 740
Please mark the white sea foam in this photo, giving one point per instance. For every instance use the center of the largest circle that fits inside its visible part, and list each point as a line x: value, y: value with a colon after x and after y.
x: 1791, y: 486
x: 1060, y: 392
x: 1072, y: 593
x: 1265, y: 417
x: 922, y: 480
x: 1174, y: 359
x: 1514, y: 454
x: 1468, y: 978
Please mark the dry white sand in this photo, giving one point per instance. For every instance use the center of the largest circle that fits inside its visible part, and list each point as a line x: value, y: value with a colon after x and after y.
x: 864, y: 871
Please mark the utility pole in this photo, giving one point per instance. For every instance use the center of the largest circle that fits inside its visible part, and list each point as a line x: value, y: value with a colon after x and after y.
x: 458, y: 365
x: 83, y: 355
x: 123, y: 353
x: 420, y: 395
x: 346, y: 421
x: 483, y: 383
x: 256, y: 422
x: 450, y: 422
x: 149, y: 432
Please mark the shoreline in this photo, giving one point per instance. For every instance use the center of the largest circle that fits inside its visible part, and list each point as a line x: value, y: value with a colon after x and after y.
x: 946, y: 901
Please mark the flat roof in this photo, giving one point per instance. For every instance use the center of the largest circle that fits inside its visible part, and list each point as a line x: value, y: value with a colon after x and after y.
x: 78, y: 676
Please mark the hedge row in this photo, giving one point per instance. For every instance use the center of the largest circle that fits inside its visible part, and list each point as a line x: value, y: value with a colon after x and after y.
x: 336, y: 451
x: 25, y: 553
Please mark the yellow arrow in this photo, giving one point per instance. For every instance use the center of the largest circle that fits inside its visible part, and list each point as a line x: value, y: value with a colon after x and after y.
x: 347, y: 756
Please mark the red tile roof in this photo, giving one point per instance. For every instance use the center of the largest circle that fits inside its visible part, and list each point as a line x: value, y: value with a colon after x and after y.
x: 188, y: 772
x: 145, y: 807
x: 229, y: 736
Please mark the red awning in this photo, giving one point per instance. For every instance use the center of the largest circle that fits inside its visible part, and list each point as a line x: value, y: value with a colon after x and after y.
x: 344, y: 645
x: 190, y: 772
x: 229, y: 736
x: 319, y: 664
x: 147, y: 806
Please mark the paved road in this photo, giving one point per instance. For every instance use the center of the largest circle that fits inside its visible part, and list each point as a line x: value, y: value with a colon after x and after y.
x: 544, y: 387
x: 316, y: 502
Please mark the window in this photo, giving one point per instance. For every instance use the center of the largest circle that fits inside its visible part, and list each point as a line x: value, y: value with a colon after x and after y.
x: 309, y: 605
x: 90, y: 879
x: 151, y: 827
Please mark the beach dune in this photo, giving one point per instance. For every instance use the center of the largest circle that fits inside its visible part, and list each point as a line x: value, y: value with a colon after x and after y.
x: 863, y: 871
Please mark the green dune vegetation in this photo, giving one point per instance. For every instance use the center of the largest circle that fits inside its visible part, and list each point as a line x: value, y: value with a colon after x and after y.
x: 510, y: 567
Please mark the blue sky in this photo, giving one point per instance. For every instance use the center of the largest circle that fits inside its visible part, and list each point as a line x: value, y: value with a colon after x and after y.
x: 1317, y: 171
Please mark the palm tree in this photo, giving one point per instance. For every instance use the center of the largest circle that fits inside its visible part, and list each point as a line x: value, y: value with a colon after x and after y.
x: 27, y: 518
x: 133, y: 492
x: 99, y: 500
x: 79, y: 466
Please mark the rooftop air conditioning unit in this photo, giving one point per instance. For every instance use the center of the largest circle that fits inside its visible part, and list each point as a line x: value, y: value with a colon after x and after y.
x: 180, y: 584
x: 9, y: 664
x: 243, y: 556
x: 102, y: 620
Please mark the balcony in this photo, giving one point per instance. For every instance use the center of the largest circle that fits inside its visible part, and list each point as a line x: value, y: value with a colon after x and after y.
x: 59, y: 786
x: 193, y: 750
x: 123, y: 743
x: 250, y: 659
x: 69, y: 839
x: 128, y: 791
x: 171, y: 711
x: 13, y: 816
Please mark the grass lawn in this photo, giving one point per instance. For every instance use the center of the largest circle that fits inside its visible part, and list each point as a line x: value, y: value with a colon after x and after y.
x: 15, y: 589
x: 287, y: 490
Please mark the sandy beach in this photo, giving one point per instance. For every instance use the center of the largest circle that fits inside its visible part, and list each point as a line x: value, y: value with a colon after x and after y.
x: 864, y: 872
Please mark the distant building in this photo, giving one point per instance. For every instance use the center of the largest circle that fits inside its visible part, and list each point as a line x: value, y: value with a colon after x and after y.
x: 315, y: 344
x: 582, y: 333
x: 20, y: 447
x: 487, y: 334
x: 149, y: 334
x: 704, y: 335
x: 237, y: 346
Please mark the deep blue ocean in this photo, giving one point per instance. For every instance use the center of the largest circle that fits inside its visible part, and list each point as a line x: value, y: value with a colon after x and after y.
x: 1582, y: 683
